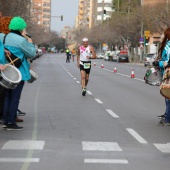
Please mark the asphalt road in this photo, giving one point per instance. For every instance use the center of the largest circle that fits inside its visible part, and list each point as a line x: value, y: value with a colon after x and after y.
x: 113, y: 127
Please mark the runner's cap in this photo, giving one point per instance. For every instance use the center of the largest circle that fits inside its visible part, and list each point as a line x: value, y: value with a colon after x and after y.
x: 85, y: 39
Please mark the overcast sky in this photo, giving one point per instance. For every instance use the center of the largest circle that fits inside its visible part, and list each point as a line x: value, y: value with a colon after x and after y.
x: 67, y: 8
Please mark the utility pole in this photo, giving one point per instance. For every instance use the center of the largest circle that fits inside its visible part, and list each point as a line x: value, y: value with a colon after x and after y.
x: 102, y: 11
x: 142, y: 52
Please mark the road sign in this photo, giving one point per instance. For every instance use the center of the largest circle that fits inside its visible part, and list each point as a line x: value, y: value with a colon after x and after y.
x: 147, y: 33
x: 141, y: 40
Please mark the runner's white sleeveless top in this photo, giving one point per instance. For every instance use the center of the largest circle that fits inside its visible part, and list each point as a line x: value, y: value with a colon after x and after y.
x: 84, y: 52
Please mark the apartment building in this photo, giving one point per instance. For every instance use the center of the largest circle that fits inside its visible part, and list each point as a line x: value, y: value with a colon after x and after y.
x: 91, y: 12
x: 41, y: 13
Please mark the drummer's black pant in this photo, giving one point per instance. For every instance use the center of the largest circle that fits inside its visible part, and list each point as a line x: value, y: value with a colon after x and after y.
x: 11, y: 103
x: 2, y: 99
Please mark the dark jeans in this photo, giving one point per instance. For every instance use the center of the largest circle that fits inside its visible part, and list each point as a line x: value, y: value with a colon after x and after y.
x: 167, y: 112
x: 11, y: 103
x: 68, y: 58
x: 2, y: 100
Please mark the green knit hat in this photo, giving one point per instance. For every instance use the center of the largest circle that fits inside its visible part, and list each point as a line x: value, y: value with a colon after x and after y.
x: 17, y: 23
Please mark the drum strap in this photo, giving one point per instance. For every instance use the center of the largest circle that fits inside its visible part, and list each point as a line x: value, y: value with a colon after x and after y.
x: 14, y: 60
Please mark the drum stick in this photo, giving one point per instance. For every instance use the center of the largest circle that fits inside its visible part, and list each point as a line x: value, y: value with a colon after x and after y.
x: 9, y: 58
x: 12, y: 61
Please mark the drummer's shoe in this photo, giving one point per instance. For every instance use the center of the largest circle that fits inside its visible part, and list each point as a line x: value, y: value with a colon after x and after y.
x: 161, y: 116
x: 13, y: 127
x: 163, y: 123
x: 18, y: 120
x: 20, y: 113
x: 4, y: 125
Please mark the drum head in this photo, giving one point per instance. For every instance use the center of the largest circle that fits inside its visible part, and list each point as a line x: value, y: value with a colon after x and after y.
x: 11, y: 74
x: 33, y: 73
x: 153, y: 77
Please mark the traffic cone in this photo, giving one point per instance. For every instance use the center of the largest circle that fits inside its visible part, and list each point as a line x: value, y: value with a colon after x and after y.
x: 94, y: 64
x: 132, y: 74
x: 115, y: 70
x: 102, y: 66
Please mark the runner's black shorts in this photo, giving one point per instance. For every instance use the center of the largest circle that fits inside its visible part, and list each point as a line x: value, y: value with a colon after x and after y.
x: 85, y: 69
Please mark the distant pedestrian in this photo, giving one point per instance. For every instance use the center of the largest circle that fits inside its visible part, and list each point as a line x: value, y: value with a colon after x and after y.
x: 73, y: 52
x: 67, y: 55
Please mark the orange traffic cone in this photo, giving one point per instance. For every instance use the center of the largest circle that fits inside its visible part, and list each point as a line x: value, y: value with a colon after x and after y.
x: 132, y: 74
x: 115, y: 70
x: 94, y: 64
x: 102, y: 66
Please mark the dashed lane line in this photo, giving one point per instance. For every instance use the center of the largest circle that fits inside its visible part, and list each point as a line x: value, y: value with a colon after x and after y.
x: 124, y: 75
x: 98, y: 101
x: 165, y: 148
x: 112, y: 113
x: 136, y: 136
x: 89, y: 92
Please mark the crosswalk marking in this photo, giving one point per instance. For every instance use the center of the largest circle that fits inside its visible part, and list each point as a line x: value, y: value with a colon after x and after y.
x: 19, y: 159
x: 100, y: 146
x: 136, y: 136
x: 165, y: 148
x: 107, y: 161
x: 112, y: 113
x: 24, y: 144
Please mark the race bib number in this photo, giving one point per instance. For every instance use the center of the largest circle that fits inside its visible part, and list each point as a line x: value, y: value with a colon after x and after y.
x: 87, y: 65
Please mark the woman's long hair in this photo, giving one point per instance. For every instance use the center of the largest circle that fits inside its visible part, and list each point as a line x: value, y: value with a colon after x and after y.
x: 166, y: 37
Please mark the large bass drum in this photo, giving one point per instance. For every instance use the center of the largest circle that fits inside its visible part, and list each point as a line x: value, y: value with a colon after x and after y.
x: 153, y: 77
x: 10, y: 77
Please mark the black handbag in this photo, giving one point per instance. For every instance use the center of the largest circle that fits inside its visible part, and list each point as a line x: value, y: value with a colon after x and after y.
x: 12, y: 59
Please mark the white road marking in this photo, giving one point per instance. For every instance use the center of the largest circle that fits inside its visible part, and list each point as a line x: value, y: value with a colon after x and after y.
x: 108, y: 70
x: 90, y: 93
x: 24, y: 144
x: 74, y: 78
x: 19, y: 159
x: 100, y: 146
x: 112, y: 113
x: 124, y: 75
x: 107, y: 161
x: 99, y: 101
x: 136, y: 136
x: 165, y: 148
x: 78, y: 82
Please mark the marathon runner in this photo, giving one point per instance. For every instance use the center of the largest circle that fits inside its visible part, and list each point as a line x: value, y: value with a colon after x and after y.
x: 85, y: 54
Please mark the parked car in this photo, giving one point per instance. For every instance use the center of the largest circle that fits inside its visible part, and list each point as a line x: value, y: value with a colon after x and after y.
x: 100, y: 55
x: 149, y: 58
x: 40, y: 52
x: 123, y: 58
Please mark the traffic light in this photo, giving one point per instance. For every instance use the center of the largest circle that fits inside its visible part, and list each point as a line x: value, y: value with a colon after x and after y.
x: 146, y: 40
x: 104, y: 12
x: 61, y: 17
